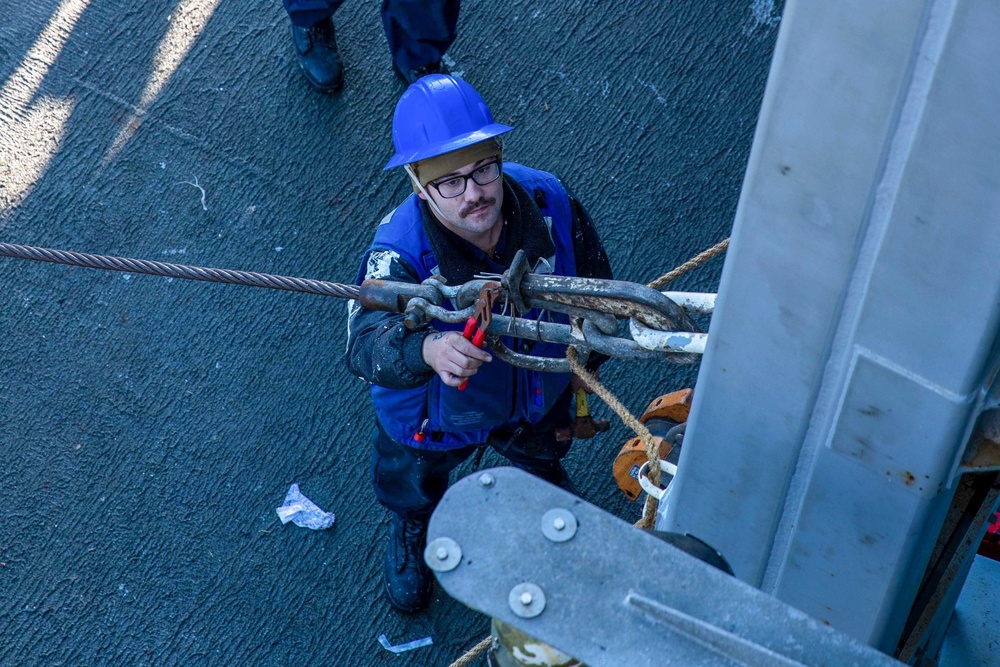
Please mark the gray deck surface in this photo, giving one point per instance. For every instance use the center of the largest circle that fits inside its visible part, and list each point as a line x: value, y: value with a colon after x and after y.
x: 149, y: 427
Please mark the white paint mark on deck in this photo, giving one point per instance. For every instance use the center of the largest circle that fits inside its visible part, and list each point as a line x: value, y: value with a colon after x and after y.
x: 656, y: 92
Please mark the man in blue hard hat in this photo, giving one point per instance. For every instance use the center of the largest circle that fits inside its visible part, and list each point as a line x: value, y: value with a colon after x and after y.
x: 470, y: 213
x: 418, y: 32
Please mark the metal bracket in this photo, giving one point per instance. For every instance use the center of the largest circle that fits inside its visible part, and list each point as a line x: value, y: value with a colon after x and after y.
x: 613, y: 594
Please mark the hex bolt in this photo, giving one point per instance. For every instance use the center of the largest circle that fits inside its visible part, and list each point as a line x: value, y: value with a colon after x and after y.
x: 559, y: 525
x: 486, y: 479
x: 526, y: 600
x: 443, y: 554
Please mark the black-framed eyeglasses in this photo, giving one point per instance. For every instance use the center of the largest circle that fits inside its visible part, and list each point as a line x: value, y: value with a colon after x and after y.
x: 455, y: 185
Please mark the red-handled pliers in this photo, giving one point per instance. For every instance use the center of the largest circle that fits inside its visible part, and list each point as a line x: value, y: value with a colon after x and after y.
x: 477, y: 325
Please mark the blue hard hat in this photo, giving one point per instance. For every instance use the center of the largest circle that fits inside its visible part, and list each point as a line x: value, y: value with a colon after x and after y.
x: 439, y: 114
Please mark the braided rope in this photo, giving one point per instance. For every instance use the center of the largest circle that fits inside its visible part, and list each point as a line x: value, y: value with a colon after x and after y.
x: 247, y: 278
x: 649, y: 511
x: 694, y: 262
x: 473, y: 652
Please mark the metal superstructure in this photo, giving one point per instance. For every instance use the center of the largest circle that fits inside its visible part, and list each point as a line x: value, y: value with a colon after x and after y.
x: 842, y: 448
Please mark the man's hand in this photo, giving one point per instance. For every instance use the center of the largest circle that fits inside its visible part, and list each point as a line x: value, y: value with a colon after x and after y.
x: 453, y: 357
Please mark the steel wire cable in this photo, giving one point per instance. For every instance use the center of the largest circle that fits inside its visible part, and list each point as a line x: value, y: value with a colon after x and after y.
x: 151, y: 268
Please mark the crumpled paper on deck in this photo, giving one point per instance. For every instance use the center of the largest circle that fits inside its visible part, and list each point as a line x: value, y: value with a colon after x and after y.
x: 303, y: 512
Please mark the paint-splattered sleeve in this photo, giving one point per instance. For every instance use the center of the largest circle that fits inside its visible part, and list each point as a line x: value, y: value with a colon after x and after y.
x: 380, y: 349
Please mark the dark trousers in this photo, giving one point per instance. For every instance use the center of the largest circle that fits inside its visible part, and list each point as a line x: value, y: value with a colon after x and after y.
x: 418, y: 32
x: 411, y: 481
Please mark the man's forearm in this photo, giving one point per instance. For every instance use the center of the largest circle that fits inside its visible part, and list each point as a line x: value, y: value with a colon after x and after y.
x: 382, y: 351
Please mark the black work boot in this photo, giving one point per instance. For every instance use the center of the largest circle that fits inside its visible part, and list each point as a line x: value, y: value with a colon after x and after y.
x: 410, y: 76
x: 408, y: 580
x: 316, y: 51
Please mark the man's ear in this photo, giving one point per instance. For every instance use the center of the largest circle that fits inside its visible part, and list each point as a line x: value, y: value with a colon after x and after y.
x: 422, y: 195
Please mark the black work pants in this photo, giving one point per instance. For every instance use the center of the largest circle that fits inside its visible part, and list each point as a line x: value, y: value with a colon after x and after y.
x: 418, y: 32
x: 411, y: 481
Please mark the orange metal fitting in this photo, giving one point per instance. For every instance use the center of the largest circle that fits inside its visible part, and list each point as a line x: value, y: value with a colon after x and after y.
x: 673, y: 407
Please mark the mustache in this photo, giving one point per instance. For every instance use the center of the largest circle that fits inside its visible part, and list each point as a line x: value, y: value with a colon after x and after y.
x: 482, y: 201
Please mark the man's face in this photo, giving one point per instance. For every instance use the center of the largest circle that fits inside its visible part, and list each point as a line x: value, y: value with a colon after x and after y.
x: 476, y: 210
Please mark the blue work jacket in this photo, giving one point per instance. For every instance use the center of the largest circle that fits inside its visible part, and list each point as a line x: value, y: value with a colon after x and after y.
x: 498, y: 395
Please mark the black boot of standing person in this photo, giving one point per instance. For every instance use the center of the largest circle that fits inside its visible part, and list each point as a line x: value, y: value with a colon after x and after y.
x: 418, y: 35
x: 319, y: 59
x: 408, y: 580
x: 409, y: 76
x: 418, y: 32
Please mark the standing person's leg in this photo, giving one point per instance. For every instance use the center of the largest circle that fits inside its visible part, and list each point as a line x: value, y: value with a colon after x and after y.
x: 534, y: 448
x: 419, y: 32
x: 409, y: 482
x: 315, y: 42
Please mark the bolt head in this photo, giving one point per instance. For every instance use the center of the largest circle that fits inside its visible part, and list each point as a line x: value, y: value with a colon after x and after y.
x: 526, y: 600
x: 443, y: 554
x: 486, y: 479
x: 559, y: 525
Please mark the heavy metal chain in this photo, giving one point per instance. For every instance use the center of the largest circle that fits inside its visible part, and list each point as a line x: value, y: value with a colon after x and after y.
x: 248, y: 278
